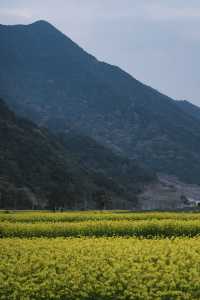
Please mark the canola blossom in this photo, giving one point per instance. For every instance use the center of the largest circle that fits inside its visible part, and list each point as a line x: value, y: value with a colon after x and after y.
x: 142, y: 228
x: 79, y: 216
x: 109, y: 255
x: 100, y: 269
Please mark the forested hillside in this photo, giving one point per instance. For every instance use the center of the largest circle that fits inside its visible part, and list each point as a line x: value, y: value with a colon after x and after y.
x: 47, y: 77
x: 41, y: 170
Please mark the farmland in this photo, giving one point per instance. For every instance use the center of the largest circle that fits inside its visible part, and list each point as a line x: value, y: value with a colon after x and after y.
x: 99, y: 255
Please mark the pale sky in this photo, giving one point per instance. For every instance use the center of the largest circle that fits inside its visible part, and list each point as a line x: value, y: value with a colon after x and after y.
x: 157, y: 41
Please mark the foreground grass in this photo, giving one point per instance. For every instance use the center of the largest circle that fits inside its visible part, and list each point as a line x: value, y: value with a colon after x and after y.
x: 100, y: 269
x: 144, y: 228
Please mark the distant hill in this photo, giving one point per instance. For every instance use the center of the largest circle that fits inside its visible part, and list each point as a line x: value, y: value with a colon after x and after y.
x: 40, y: 170
x: 50, y: 79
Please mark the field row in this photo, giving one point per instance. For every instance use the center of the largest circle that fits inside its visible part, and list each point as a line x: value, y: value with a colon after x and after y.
x: 100, y: 269
x: 30, y: 217
x: 148, y: 228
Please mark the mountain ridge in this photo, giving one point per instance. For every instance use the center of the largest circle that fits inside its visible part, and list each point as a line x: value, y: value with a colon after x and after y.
x: 189, y: 108
x: 51, y: 80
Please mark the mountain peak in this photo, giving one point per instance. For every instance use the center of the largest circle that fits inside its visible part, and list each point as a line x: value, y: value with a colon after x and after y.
x: 41, y: 23
x: 37, y: 24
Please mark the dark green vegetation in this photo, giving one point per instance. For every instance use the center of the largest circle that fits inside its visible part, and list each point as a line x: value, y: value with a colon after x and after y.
x: 38, y: 170
x: 47, y: 77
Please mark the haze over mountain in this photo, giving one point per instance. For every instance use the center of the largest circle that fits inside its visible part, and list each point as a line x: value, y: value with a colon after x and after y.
x: 40, y: 170
x: 48, y: 78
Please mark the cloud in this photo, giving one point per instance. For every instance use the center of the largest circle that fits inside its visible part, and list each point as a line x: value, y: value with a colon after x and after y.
x: 15, y: 13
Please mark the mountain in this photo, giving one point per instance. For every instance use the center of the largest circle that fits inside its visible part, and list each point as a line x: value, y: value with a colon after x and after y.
x: 101, y: 160
x: 189, y: 108
x: 41, y: 170
x: 50, y: 79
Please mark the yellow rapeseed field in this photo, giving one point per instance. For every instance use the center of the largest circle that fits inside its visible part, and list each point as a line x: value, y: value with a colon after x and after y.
x: 96, y: 255
x: 100, y: 269
x: 79, y: 216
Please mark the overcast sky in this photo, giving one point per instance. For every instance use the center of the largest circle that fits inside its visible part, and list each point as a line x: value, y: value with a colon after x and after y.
x: 157, y: 41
